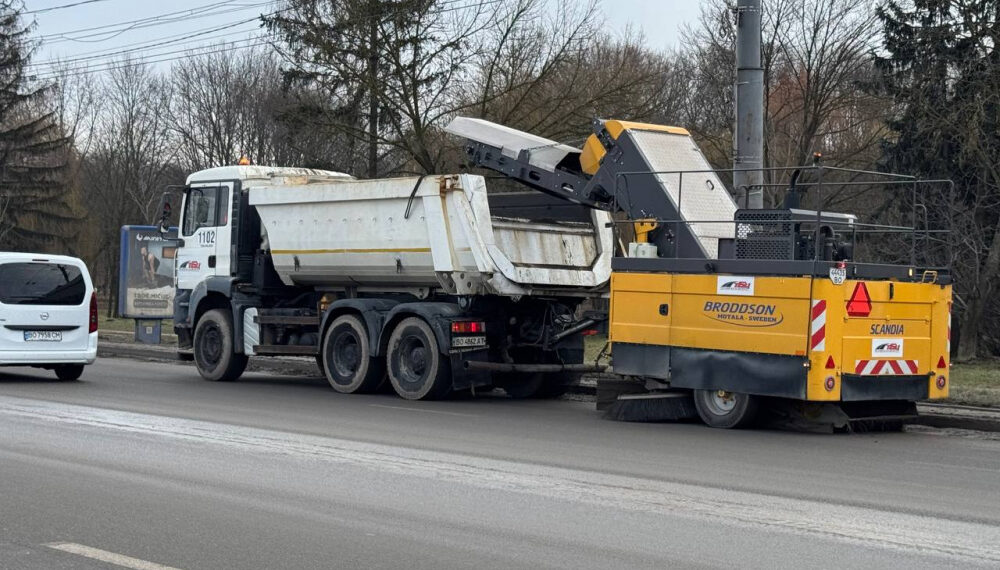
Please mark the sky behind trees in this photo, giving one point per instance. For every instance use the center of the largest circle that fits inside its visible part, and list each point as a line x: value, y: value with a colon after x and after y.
x: 660, y: 21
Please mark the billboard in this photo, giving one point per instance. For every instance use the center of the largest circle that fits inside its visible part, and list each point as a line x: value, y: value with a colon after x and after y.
x: 146, y: 279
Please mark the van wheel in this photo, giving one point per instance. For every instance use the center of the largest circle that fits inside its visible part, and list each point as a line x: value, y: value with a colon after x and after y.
x: 722, y: 409
x: 214, y: 348
x: 68, y: 372
x: 347, y: 357
x: 417, y: 368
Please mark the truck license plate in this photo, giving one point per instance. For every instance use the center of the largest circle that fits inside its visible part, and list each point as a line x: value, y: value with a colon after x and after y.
x: 46, y: 336
x: 467, y: 341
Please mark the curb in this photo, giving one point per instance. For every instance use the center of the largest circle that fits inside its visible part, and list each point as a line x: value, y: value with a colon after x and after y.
x: 288, y: 365
x: 931, y: 415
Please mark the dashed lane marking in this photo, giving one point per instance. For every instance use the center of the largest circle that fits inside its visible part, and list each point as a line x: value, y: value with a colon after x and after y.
x: 422, y: 411
x: 107, y: 556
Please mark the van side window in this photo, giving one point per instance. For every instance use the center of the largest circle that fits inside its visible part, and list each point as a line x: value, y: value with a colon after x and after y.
x: 202, y: 209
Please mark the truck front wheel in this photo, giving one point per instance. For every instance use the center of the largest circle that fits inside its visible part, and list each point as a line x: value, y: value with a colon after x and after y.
x: 722, y: 409
x: 417, y: 369
x: 214, y: 344
x: 347, y: 357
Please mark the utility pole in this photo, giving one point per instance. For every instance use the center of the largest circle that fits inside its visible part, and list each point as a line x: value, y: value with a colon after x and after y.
x: 374, y: 14
x: 748, y: 142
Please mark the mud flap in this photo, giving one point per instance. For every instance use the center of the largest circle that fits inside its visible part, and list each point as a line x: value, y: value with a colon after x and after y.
x: 463, y: 378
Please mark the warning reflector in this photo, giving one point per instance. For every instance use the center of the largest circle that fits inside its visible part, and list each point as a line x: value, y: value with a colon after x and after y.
x: 941, y: 363
x: 860, y: 303
x: 829, y: 362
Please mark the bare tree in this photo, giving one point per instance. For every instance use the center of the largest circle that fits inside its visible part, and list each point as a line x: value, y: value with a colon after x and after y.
x: 387, y: 68
x: 131, y: 158
x: 817, y: 59
x: 227, y: 105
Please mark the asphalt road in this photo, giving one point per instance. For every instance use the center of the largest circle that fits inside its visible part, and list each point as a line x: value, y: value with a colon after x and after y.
x: 145, y: 465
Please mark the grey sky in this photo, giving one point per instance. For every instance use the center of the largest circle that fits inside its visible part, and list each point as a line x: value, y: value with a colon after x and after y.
x: 659, y: 20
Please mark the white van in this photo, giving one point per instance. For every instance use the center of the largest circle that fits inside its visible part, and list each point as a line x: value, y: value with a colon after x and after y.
x: 48, y: 313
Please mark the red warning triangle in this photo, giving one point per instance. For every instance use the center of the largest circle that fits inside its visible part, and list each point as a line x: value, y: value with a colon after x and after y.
x: 830, y: 363
x: 860, y: 303
x: 941, y: 363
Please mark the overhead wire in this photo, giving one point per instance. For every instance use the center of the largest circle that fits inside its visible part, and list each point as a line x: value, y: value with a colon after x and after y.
x: 117, y: 65
x: 148, y: 44
x: 63, y: 7
x: 112, y: 30
x: 92, y: 64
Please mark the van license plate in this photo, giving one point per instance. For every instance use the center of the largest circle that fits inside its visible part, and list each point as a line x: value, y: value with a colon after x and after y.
x: 47, y: 336
x: 467, y: 341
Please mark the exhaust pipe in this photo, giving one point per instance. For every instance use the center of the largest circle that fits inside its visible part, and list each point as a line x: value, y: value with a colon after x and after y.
x: 516, y: 367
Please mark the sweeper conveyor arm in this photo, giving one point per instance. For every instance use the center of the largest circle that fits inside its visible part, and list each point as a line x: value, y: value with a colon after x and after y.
x: 634, y: 168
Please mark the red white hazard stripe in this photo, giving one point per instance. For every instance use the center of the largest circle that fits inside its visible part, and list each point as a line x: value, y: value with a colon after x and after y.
x: 817, y: 328
x: 948, y: 349
x: 885, y: 367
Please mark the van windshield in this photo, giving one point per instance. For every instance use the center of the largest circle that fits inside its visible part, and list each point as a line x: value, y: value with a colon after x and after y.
x: 41, y: 284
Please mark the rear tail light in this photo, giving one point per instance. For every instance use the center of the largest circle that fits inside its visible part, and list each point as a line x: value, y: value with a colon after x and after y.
x: 93, y: 312
x: 941, y: 381
x: 468, y: 327
x: 830, y: 383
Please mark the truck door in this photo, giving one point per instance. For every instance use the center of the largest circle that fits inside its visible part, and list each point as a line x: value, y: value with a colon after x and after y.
x: 206, y: 228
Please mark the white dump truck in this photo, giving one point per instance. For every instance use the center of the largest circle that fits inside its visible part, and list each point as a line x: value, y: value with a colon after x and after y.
x: 429, y: 283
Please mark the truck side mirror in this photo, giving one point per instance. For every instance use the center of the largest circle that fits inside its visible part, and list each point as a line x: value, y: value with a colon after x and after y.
x: 166, y: 211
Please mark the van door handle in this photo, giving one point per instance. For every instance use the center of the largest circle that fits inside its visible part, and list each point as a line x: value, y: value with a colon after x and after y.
x: 211, y: 261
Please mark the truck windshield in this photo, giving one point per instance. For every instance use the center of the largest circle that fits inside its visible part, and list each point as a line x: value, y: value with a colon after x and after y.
x: 41, y: 284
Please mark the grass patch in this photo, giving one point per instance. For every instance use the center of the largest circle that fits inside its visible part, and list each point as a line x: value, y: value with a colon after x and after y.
x: 592, y: 347
x: 128, y: 325
x: 976, y: 383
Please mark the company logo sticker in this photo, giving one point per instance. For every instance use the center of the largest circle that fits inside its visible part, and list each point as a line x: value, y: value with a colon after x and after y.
x: 743, y: 314
x: 887, y: 348
x: 734, y: 285
x: 193, y: 265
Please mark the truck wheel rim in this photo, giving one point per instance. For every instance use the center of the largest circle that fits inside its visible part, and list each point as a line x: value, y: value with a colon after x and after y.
x: 413, y: 360
x: 721, y: 402
x: 346, y: 355
x: 211, y: 346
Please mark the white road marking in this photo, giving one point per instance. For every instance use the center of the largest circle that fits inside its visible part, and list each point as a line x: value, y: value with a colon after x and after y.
x: 109, y: 557
x: 955, y: 466
x: 422, y: 411
x: 970, y: 541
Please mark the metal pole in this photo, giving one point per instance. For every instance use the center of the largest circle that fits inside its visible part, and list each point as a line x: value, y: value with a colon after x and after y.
x: 748, y: 141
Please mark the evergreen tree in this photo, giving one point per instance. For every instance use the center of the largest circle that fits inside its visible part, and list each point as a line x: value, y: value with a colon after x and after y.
x: 941, y: 65
x: 36, y: 213
x: 383, y: 65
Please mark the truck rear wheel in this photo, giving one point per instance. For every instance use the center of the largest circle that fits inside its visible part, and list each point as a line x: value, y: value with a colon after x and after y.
x: 417, y: 369
x: 214, y: 348
x: 347, y: 357
x: 722, y: 409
